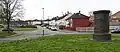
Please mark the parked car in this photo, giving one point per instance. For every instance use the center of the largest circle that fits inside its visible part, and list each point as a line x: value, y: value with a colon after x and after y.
x: 115, y: 30
x: 47, y: 27
x: 53, y: 28
x: 61, y: 27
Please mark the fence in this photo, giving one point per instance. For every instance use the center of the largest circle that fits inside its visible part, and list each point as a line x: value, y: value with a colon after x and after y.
x: 114, y: 23
x: 91, y: 29
x: 85, y: 29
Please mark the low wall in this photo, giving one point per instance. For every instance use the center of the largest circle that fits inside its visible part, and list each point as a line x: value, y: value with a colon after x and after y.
x: 85, y: 29
x: 91, y: 29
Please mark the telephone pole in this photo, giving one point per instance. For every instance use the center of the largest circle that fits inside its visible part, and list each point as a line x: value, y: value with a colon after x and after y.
x: 43, y: 20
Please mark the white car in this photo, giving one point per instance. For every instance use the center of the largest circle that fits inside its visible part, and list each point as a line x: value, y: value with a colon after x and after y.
x: 115, y: 30
x: 53, y: 28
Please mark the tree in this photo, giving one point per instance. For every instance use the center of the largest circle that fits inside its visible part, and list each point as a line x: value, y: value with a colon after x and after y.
x: 10, y: 9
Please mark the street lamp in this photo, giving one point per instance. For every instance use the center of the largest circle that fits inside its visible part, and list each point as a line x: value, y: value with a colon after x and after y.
x: 43, y: 20
x: 48, y: 21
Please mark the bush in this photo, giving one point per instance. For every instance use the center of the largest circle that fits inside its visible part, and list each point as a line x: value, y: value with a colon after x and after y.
x: 1, y: 26
x: 38, y: 24
x: 28, y: 26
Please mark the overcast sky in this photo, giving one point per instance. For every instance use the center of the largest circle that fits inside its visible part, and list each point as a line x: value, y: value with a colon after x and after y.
x: 56, y: 7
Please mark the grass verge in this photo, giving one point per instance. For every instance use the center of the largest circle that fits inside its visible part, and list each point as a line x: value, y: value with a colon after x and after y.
x: 24, y: 29
x: 4, y: 34
x: 62, y: 43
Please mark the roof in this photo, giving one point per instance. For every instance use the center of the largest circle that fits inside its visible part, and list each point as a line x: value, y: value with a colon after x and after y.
x: 62, y: 17
x: 47, y: 20
x: 33, y: 20
x: 117, y: 13
x: 78, y: 15
x: 36, y: 20
x: 68, y: 16
x: 18, y: 22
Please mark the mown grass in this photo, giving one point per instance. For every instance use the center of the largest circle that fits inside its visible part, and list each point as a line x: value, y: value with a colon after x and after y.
x: 24, y: 29
x: 4, y: 34
x: 62, y: 43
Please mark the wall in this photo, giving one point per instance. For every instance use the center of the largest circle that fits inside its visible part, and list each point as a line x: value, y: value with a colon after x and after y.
x: 80, y: 22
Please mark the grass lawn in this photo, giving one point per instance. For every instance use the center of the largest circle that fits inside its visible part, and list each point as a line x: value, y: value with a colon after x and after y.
x: 4, y: 34
x: 24, y: 29
x: 62, y: 43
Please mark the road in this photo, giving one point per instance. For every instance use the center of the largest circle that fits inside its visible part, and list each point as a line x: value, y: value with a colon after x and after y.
x: 39, y: 32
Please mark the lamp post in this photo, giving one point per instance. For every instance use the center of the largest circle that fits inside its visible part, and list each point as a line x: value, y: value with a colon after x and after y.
x: 43, y: 20
x: 48, y: 21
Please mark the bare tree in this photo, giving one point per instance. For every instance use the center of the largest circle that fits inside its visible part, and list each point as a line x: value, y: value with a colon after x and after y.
x: 11, y: 9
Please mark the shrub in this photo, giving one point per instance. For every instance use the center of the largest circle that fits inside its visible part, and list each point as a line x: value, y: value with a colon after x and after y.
x: 28, y: 26
x: 1, y: 26
x: 38, y: 24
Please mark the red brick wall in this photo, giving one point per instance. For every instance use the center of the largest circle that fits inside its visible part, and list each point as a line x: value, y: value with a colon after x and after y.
x: 80, y: 22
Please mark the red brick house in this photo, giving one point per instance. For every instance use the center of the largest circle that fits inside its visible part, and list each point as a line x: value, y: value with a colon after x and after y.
x: 116, y: 16
x: 78, y: 20
x: 115, y: 19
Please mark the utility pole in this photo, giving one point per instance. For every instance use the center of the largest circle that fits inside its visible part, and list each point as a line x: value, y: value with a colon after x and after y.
x: 48, y: 21
x: 43, y: 20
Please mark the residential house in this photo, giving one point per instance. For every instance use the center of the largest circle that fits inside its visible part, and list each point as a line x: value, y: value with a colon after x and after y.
x: 33, y: 22
x: 52, y: 22
x: 115, y: 19
x: 18, y: 23
x: 36, y: 21
x: 56, y: 21
x: 61, y: 21
x: 78, y: 20
x: 30, y: 22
